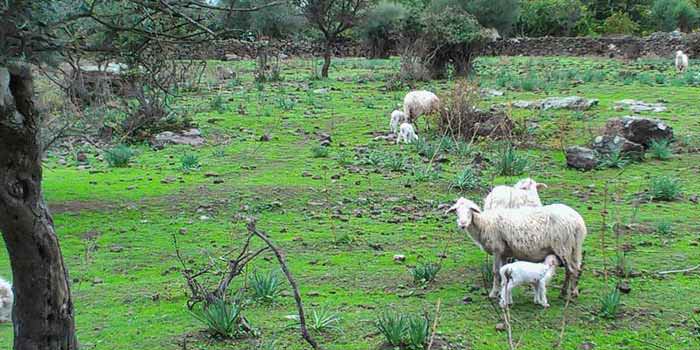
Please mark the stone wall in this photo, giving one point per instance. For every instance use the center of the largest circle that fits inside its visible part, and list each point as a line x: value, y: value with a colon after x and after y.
x: 655, y: 45
x: 233, y: 49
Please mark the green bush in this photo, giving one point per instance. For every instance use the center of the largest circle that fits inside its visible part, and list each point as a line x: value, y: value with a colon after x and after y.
x: 510, y: 162
x: 620, y: 23
x: 119, y: 156
x: 319, y: 151
x: 551, y: 17
x: 610, y: 304
x: 661, y: 149
x: 190, y: 161
x: 664, y: 188
x: 275, y: 21
x: 221, y: 317
x: 668, y: 15
x: 381, y: 28
x: 266, y: 286
x: 321, y: 320
x: 425, y: 272
x: 404, y: 331
x: 467, y: 179
x: 498, y: 14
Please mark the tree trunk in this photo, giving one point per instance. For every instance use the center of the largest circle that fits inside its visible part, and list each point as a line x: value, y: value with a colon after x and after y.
x: 327, y: 53
x: 43, y: 311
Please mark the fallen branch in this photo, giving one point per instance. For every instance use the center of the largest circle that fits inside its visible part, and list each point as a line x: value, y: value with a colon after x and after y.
x: 679, y: 271
x: 297, y: 296
x: 435, y: 323
x: 509, y: 329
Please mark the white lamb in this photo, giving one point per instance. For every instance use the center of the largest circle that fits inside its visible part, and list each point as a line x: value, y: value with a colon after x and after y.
x: 6, y: 300
x: 522, y: 194
x: 420, y: 102
x: 527, y: 233
x: 407, y: 134
x: 681, y: 61
x: 397, y: 117
x: 524, y: 272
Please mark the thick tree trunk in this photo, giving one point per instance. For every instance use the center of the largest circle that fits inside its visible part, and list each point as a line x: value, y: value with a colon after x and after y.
x: 43, y: 310
x: 327, y: 53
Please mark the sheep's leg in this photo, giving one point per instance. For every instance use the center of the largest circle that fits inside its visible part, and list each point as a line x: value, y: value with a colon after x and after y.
x: 565, y: 286
x: 497, y: 263
x: 542, y: 293
x: 536, y: 288
x: 504, y: 293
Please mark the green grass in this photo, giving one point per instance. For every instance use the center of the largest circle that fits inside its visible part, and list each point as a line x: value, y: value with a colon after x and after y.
x: 140, y: 302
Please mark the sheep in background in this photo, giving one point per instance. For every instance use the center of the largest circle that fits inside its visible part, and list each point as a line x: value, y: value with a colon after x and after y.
x: 6, y: 300
x: 522, y: 272
x: 522, y: 194
x: 397, y: 117
x: 528, y: 233
x: 419, y: 102
x: 406, y: 134
x: 681, y: 61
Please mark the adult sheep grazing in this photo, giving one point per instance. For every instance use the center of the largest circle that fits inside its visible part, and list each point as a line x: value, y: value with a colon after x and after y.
x: 681, y: 61
x: 6, y: 300
x: 420, y: 102
x: 528, y: 233
x: 522, y: 194
x: 397, y: 117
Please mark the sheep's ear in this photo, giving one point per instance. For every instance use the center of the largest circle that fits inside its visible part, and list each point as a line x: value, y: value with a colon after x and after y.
x: 475, y: 209
x: 451, y: 209
x: 541, y: 186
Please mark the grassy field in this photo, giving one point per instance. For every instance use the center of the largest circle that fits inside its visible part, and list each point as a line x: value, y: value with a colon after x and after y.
x: 366, y: 201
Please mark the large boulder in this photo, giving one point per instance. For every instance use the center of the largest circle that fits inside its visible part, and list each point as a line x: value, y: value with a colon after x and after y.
x: 609, y: 144
x: 581, y: 158
x: 570, y: 102
x: 638, y: 129
x: 191, y: 137
x: 636, y: 106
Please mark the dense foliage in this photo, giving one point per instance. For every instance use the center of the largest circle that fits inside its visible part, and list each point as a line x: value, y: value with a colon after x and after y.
x: 670, y: 15
x: 551, y: 17
x: 382, y: 27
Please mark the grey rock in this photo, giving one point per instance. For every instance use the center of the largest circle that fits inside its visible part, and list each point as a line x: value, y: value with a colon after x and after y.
x: 191, y: 137
x: 570, y: 102
x: 581, y: 158
x: 640, y: 106
x: 639, y: 130
x: 608, y: 144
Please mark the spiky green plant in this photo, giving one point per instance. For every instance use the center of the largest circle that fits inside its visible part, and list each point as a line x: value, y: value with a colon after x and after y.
x: 610, y: 304
x: 511, y: 163
x: 119, y: 156
x: 417, y: 332
x: 266, y: 286
x: 393, y: 326
x: 321, y: 320
x: 189, y: 161
x: 664, y: 188
x: 425, y: 272
x: 221, y: 317
x: 467, y: 179
x: 660, y: 149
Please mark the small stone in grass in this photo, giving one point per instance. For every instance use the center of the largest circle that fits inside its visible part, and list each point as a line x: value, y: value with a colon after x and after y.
x: 500, y: 326
x: 399, y: 258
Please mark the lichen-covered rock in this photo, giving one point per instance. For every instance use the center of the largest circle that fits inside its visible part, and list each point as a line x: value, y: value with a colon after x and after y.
x: 191, y: 137
x: 638, y: 129
x: 608, y: 144
x: 581, y: 158
x: 639, y: 106
x: 569, y: 102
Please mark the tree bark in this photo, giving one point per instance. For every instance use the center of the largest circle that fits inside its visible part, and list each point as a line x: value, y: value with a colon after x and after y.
x: 327, y: 53
x: 43, y: 311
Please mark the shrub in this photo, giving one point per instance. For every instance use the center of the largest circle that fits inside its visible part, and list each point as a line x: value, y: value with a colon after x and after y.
x: 610, y: 304
x: 467, y: 179
x: 668, y: 15
x: 221, y: 317
x: 551, y: 17
x: 266, y: 286
x: 620, y: 23
x: 664, y: 188
x: 319, y: 151
x: 392, y: 325
x: 189, y: 161
x: 664, y: 227
x: 425, y: 272
x: 460, y: 117
x: 510, y: 162
x: 404, y: 331
x: 277, y: 21
x: 660, y: 149
x: 321, y: 320
x: 119, y: 156
x: 381, y: 28
x: 498, y: 14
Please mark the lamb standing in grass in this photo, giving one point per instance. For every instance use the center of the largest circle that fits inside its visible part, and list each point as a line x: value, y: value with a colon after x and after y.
x: 523, y: 194
x: 528, y: 233
x: 406, y: 134
x: 522, y: 272
x: 397, y: 117
x: 420, y: 102
x: 681, y: 61
x: 6, y: 300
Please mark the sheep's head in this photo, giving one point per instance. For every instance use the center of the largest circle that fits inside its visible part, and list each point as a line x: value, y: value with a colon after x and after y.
x: 465, y: 209
x: 679, y: 53
x: 529, y: 184
x: 551, y: 261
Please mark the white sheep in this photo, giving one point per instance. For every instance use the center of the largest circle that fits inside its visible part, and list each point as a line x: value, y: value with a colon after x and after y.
x: 6, y: 300
x: 407, y: 133
x: 527, y: 233
x: 524, y: 272
x: 681, y: 61
x: 522, y: 194
x: 420, y: 102
x: 397, y: 117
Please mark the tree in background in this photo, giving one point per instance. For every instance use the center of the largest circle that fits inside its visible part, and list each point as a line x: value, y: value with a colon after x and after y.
x: 669, y: 15
x: 550, y: 17
x: 381, y: 28
x: 331, y: 18
x: 277, y: 22
x: 620, y: 23
x: 499, y: 14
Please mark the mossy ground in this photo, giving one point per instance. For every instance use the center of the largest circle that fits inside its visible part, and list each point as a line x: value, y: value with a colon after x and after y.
x: 116, y: 225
